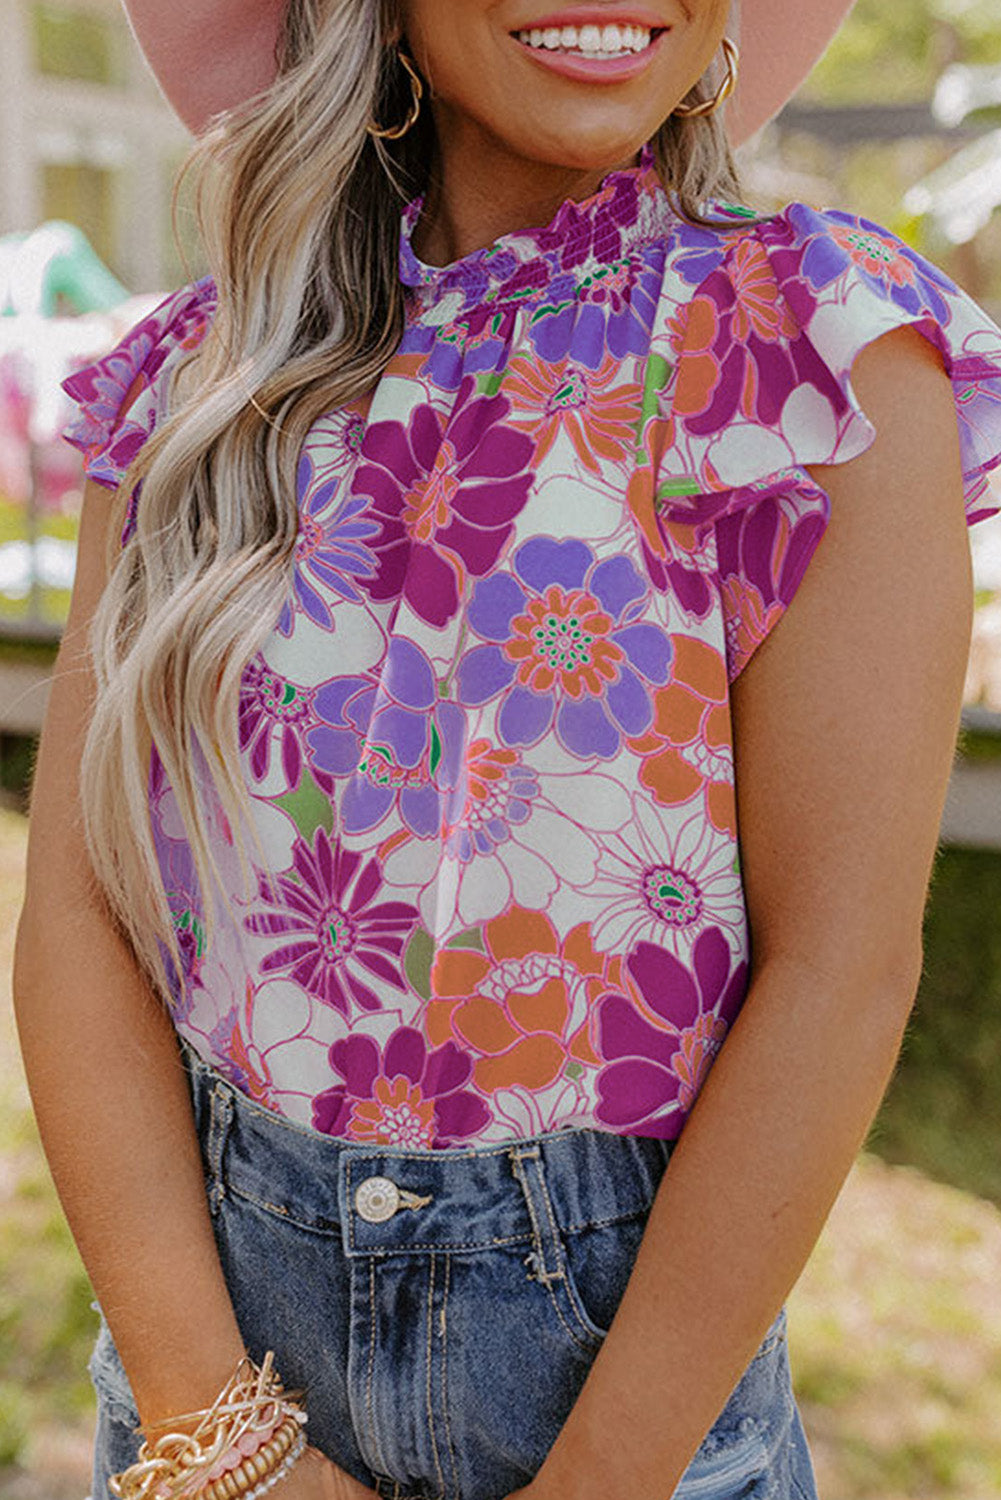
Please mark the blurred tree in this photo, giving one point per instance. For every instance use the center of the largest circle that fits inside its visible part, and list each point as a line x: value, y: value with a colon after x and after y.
x: 894, y: 50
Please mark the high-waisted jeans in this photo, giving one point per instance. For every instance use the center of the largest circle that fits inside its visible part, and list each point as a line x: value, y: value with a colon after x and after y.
x: 441, y: 1309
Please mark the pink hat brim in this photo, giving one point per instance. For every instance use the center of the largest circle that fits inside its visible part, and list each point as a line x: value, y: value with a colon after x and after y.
x: 210, y: 55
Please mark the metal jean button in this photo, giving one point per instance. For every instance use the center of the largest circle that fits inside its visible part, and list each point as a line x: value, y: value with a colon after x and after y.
x: 377, y: 1199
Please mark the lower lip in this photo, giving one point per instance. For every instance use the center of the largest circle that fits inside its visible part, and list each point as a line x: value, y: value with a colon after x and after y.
x: 595, y: 69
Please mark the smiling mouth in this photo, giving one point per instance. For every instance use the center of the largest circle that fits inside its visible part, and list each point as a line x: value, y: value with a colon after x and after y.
x: 593, y: 42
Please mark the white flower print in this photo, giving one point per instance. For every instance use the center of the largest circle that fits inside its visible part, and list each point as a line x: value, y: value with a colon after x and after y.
x: 662, y: 883
x: 517, y: 834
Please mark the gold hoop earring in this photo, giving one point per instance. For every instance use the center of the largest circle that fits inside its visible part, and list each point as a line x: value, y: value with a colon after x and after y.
x: 727, y: 85
x: 397, y: 132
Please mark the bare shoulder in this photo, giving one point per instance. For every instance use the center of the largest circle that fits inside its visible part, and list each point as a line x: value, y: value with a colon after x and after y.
x: 845, y: 719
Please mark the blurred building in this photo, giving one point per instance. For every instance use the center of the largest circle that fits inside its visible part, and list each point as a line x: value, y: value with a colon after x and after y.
x: 86, y: 137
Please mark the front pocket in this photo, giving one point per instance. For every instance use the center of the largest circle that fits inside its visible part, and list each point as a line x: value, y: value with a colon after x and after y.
x: 598, y: 1262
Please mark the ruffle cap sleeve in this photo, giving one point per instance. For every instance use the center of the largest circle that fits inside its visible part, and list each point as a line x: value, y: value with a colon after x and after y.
x: 761, y: 356
x: 132, y: 378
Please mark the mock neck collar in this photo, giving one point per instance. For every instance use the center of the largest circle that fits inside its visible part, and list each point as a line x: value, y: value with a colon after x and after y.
x: 630, y: 208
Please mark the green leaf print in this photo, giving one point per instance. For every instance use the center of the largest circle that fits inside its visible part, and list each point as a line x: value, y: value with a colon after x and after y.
x: 657, y: 374
x: 417, y: 962
x: 308, y: 807
x: 471, y: 938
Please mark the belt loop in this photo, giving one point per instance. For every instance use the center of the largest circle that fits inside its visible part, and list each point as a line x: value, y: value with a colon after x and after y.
x: 545, y: 1263
x: 220, y: 1119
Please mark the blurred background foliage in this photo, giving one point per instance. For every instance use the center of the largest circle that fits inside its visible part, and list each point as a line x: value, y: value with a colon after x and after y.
x: 893, y: 51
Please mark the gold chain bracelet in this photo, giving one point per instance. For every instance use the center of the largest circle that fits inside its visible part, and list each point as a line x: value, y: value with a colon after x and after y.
x: 253, y: 1404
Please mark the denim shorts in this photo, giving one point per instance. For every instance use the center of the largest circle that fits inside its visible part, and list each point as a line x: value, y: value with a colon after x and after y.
x: 441, y: 1309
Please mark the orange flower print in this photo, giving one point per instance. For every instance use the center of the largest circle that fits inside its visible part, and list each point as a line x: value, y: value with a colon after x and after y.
x: 697, y: 1049
x: 688, y: 750
x: 596, y: 409
x: 561, y: 641
x: 748, y: 620
x: 760, y: 307
x: 427, y: 507
x: 693, y: 334
x: 524, y: 1006
x: 398, y: 1115
x: 874, y: 253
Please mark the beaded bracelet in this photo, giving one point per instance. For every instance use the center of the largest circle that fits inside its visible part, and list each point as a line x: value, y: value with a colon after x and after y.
x: 237, y: 1450
x: 257, y: 1474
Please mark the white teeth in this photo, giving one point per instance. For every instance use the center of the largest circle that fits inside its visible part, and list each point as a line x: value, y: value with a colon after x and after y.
x: 591, y: 41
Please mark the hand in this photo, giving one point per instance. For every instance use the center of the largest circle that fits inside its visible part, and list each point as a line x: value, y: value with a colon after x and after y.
x: 314, y: 1477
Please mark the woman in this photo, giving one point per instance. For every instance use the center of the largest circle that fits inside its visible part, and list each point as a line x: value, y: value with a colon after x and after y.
x: 390, y: 766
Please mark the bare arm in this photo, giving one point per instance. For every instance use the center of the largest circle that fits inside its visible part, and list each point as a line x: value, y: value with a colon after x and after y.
x: 845, y: 721
x: 105, y: 1074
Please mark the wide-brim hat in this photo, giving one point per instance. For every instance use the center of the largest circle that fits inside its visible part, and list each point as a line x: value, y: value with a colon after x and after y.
x: 211, y: 55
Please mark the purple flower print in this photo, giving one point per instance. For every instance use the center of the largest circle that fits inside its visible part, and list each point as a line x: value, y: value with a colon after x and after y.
x: 654, y: 1072
x: 101, y: 388
x: 476, y: 343
x: 393, y: 734
x: 446, y: 493
x: 331, y: 551
x: 836, y: 242
x: 562, y: 645
x: 108, y: 441
x: 404, y: 1095
x: 610, y: 310
x: 701, y: 251
x: 273, y: 707
x: 336, y: 936
x: 180, y: 883
x: 495, y: 795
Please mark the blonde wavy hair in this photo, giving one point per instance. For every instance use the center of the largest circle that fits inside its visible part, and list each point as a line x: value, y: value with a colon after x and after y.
x: 299, y: 211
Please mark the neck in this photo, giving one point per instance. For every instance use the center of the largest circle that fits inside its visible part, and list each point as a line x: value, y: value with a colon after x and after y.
x: 478, y: 192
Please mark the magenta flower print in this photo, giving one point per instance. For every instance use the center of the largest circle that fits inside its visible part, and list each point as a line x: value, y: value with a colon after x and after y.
x: 446, y: 492
x: 337, y: 937
x: 125, y: 378
x: 597, y: 229
x: 402, y: 1095
x: 654, y: 1068
x: 332, y: 551
x: 563, y: 646
x: 273, y: 708
x: 397, y: 739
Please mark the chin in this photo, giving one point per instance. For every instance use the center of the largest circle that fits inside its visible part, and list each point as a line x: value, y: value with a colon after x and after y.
x: 583, y: 150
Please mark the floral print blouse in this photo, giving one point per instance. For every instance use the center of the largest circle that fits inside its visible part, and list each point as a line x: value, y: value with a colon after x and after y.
x: 488, y: 738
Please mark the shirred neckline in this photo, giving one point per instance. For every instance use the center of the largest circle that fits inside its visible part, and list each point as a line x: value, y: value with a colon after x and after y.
x: 629, y: 209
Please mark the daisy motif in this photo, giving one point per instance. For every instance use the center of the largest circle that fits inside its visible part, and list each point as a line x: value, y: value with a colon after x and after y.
x: 662, y: 883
